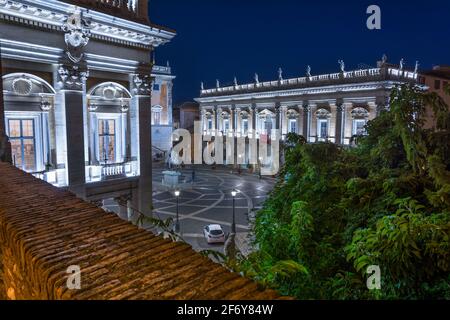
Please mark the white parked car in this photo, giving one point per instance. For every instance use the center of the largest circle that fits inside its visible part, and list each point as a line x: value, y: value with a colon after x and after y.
x: 214, y: 234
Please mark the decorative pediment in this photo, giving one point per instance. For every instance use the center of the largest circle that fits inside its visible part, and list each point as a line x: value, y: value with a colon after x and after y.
x: 25, y: 84
x: 292, y: 113
x: 109, y: 91
x: 323, y: 113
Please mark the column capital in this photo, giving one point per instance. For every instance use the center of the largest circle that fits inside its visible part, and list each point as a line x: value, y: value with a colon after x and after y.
x: 142, y: 84
x: 72, y: 76
x: 277, y: 105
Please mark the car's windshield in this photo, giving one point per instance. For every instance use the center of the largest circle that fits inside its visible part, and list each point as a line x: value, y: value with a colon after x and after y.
x: 216, y: 232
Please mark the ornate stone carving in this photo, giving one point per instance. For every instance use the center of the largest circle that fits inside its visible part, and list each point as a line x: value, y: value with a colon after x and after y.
x: 360, y: 113
x: 92, y: 107
x: 77, y: 35
x: 323, y: 113
x: 72, y: 77
x: 46, y: 105
x: 142, y: 84
x: 22, y: 86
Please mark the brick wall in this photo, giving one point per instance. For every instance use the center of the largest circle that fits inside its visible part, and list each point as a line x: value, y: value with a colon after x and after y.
x: 44, y: 230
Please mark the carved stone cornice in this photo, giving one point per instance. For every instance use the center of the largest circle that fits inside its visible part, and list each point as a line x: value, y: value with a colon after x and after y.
x: 52, y: 14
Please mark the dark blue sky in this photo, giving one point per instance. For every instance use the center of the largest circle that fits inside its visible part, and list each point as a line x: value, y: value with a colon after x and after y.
x: 226, y: 38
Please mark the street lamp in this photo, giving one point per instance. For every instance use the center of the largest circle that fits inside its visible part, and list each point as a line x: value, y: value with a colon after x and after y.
x: 177, y: 223
x: 234, y: 192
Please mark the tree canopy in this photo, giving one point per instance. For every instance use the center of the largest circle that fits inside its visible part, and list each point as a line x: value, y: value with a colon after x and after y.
x: 337, y: 210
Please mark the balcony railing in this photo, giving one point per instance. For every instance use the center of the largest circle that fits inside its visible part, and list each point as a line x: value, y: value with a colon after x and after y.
x: 110, y: 171
x: 356, y: 76
x: 121, y: 8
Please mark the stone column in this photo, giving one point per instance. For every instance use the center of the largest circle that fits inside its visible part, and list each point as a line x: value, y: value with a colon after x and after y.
x: 238, y: 120
x: 214, y: 119
x: 253, y: 113
x: 232, y: 119
x: 218, y: 119
x: 284, y: 120
x: 141, y: 146
x: 203, y: 119
x: 72, y: 108
x: 340, y: 110
x: 277, y: 116
x: 170, y: 103
x: 306, y: 121
x: 382, y: 104
x: 299, y: 120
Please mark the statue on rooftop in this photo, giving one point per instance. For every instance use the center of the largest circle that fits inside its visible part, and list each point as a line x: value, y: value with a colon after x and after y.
x: 235, y: 81
x: 308, y: 71
x: 402, y: 63
x: 202, y: 86
x: 217, y: 83
x: 384, y: 59
x: 416, y: 68
x: 342, y: 65
x: 256, y: 78
x: 280, y: 74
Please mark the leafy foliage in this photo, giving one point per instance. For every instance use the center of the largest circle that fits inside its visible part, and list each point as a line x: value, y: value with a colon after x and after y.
x: 335, y: 211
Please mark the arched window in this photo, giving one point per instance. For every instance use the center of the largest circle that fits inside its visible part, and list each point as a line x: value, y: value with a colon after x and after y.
x: 28, y: 99
x: 108, y: 105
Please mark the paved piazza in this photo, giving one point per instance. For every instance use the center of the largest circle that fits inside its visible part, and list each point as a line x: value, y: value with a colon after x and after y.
x: 208, y: 201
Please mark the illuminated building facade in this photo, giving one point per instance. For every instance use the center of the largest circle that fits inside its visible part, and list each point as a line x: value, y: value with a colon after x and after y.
x: 330, y: 107
x: 77, y: 83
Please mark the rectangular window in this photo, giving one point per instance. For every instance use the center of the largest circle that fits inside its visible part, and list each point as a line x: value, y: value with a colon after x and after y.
x: 268, y: 126
x: 156, y: 117
x: 293, y: 125
x: 437, y: 84
x: 23, y: 143
x: 322, y: 128
x: 244, y: 126
x: 107, y: 140
x: 210, y: 124
x: 226, y: 125
x: 359, y: 127
x: 156, y: 87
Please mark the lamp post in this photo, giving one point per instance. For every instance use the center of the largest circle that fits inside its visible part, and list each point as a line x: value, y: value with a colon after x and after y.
x: 234, y: 192
x: 177, y: 223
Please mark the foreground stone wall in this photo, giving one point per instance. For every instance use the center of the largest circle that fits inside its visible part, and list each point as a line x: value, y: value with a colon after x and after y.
x: 44, y: 230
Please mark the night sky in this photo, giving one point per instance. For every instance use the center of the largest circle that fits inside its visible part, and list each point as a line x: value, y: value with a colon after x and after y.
x: 220, y: 39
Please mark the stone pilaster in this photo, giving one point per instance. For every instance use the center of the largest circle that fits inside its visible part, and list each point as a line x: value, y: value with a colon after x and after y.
x: 340, y: 115
x: 140, y: 113
x: 306, y: 121
x: 71, y: 90
x: 277, y: 116
x: 5, y: 145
